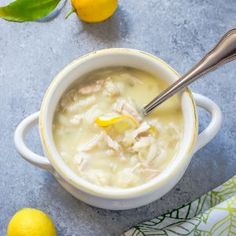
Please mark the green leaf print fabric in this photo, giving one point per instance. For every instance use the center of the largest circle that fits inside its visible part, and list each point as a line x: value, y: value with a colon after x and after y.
x: 212, y: 214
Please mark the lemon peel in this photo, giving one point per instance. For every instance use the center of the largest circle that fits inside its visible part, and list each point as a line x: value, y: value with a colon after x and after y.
x: 108, y: 120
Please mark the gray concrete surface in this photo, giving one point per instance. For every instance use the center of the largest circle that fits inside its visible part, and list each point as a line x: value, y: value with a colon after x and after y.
x: 180, y: 32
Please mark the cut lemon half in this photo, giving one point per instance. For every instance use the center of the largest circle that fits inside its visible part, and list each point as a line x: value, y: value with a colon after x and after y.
x: 120, y: 122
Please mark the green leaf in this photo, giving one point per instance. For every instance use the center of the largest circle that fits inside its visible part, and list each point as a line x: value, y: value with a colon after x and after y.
x: 27, y: 10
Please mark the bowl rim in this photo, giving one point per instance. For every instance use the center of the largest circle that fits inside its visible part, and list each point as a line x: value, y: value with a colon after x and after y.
x: 78, y: 182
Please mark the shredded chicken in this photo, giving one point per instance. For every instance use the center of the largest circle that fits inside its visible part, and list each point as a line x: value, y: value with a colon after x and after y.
x: 109, y: 152
x: 130, y: 136
x: 110, y: 89
x: 113, y: 167
x: 81, y: 159
x: 173, y: 131
x: 111, y: 143
x: 91, y: 114
x: 125, y: 108
x: 144, y: 127
x: 152, y: 152
x: 91, y: 88
x: 133, y: 160
x: 90, y: 144
x: 98, y: 177
x: 81, y: 104
x: 149, y: 172
x: 132, y: 79
x: 142, y: 143
x: 126, y: 177
x: 76, y: 119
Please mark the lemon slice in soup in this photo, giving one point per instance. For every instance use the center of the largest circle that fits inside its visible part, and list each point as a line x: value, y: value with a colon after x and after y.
x: 119, y: 122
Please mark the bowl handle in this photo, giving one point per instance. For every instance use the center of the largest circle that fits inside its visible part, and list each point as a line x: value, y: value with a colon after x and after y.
x: 212, y: 129
x: 19, y: 139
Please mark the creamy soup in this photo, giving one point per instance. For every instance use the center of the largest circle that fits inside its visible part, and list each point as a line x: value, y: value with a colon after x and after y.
x: 101, y: 135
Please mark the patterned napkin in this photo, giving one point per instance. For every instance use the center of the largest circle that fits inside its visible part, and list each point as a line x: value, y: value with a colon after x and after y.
x: 212, y: 214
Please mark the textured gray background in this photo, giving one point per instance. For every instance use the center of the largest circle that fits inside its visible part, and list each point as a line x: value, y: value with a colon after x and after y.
x: 180, y: 32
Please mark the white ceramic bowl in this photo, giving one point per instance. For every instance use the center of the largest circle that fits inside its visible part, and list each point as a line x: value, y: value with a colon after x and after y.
x: 116, y: 199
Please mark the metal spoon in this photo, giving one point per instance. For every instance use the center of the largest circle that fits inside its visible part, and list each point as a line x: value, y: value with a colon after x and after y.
x: 223, y: 52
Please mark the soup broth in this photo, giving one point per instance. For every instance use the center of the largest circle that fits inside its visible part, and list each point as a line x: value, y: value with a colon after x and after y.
x: 101, y: 135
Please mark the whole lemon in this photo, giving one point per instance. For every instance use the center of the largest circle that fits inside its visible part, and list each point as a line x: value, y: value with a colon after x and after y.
x: 93, y: 11
x: 31, y: 222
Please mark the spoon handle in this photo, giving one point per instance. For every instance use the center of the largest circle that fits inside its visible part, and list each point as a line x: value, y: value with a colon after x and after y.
x: 223, y: 52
